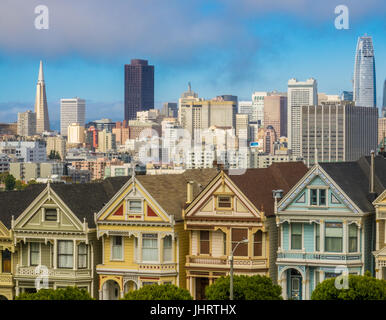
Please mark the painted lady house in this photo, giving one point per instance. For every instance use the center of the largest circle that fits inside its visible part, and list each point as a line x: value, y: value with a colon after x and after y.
x: 54, y: 234
x: 142, y: 232
x: 11, y: 204
x: 327, y: 224
x: 229, y: 209
x: 380, y: 209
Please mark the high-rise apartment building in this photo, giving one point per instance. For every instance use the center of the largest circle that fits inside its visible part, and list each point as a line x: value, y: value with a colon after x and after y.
x: 106, y: 141
x: 245, y: 107
x: 26, y: 123
x: 275, y: 114
x: 365, y: 93
x: 300, y: 93
x: 203, y: 114
x: 75, y: 133
x: 139, y: 88
x: 71, y: 111
x: 242, y: 127
x: 258, y: 107
x: 41, y: 108
x: 335, y: 132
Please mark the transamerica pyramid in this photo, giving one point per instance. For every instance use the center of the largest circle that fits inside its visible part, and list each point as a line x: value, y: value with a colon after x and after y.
x: 41, y: 109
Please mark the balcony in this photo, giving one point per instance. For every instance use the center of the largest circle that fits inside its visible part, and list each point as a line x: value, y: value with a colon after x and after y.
x: 317, y: 257
x: 247, y: 263
x: 29, y: 272
x: 6, y: 280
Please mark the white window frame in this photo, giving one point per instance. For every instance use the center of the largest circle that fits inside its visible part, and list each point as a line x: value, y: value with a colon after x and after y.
x: 122, y: 250
x: 137, y: 213
x: 318, y: 188
x: 348, y: 238
x: 290, y: 237
x: 29, y: 254
x: 158, y: 248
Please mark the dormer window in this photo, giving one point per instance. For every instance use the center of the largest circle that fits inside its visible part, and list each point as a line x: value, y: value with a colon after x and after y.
x: 224, y: 202
x: 318, y: 197
x: 50, y: 215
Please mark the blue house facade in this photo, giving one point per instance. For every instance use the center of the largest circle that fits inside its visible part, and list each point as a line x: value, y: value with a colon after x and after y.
x: 326, y: 225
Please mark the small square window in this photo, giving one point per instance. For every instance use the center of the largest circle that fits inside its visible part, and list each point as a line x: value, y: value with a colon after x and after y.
x: 224, y: 202
x: 50, y: 215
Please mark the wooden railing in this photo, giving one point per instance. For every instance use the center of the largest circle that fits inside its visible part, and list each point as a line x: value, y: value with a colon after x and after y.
x: 221, y: 261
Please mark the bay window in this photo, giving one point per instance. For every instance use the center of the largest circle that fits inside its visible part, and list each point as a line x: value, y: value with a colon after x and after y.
x: 168, y: 249
x: 150, y: 247
x: 352, y: 238
x: 65, y: 254
x: 204, y: 242
x: 334, y: 237
x: 317, y: 237
x: 258, y: 244
x: 82, y: 256
x: 296, y: 236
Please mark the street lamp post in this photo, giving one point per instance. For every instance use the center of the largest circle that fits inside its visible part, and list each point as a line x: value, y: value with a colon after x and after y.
x: 231, y: 271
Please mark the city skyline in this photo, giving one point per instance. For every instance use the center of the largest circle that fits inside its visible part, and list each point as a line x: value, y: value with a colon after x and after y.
x: 244, y: 61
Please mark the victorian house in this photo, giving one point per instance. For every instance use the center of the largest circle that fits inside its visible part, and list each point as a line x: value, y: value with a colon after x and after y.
x: 380, y: 210
x: 230, y: 211
x: 11, y: 204
x: 327, y: 224
x: 142, y: 232
x: 54, y: 235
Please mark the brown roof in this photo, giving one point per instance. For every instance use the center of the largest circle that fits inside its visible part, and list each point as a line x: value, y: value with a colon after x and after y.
x: 169, y: 190
x: 257, y: 184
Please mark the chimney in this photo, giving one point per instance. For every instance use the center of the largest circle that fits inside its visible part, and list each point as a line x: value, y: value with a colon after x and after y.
x: 372, y: 172
x: 372, y: 195
x: 189, y: 192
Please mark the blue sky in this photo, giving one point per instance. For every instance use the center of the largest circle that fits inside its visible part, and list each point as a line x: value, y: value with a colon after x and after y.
x: 221, y: 46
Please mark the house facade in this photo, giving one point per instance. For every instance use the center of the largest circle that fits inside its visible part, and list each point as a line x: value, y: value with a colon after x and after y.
x: 142, y: 233
x: 11, y: 204
x: 327, y: 225
x: 55, y: 237
x: 380, y: 248
x: 229, y: 209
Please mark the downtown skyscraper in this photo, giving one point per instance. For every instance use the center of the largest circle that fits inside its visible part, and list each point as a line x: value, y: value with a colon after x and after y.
x: 364, y: 73
x: 139, y: 88
x: 41, y: 108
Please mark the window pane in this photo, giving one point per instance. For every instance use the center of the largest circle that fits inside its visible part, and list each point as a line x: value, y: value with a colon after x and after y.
x: 314, y: 196
x: 239, y: 234
x: 296, y: 228
x: 317, y: 237
x: 204, y: 242
x: 50, y: 215
x: 135, y: 205
x: 322, y: 197
x: 150, y: 247
x: 117, y: 248
x: 82, y: 256
x: 167, y: 248
x: 353, y: 238
x: 257, y: 245
x: 65, y: 254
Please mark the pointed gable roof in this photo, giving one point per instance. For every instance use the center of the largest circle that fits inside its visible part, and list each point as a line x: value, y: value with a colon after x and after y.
x: 257, y: 184
x: 169, y: 190
x: 13, y: 203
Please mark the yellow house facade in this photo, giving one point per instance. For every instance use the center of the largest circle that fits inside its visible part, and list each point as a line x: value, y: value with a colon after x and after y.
x: 7, y: 253
x: 380, y: 242
x: 142, y: 233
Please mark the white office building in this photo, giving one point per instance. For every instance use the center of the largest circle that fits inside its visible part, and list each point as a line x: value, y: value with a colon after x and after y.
x: 25, y: 151
x: 300, y: 93
x: 71, y: 111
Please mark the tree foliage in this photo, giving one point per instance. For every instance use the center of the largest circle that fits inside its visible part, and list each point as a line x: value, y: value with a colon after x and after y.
x: 10, y: 182
x: 359, y: 288
x: 159, y: 292
x: 54, y: 155
x: 244, y: 288
x: 68, y: 293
